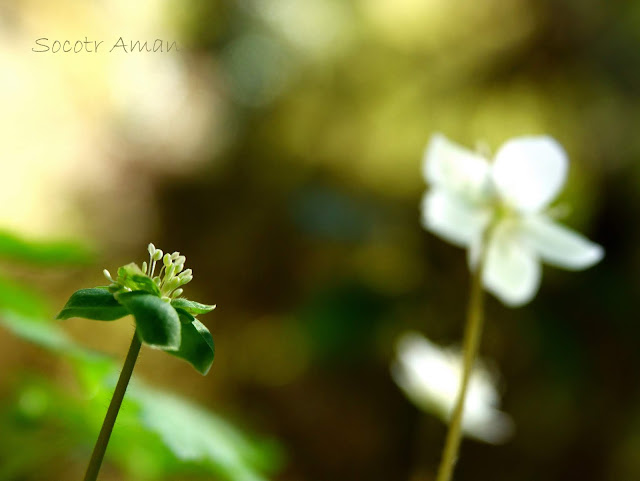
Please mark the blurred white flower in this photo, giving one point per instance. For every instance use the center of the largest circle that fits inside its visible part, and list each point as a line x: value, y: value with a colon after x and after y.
x: 468, y: 194
x: 430, y: 377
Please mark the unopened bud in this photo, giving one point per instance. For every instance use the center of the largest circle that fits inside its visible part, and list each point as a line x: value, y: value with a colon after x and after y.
x: 177, y: 293
x: 157, y: 255
x: 173, y: 284
x: 151, y: 248
x: 166, y: 260
x: 107, y: 274
x: 170, y: 272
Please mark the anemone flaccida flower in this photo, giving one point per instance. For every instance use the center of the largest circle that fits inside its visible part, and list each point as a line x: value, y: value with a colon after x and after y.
x: 503, y: 207
x: 430, y: 377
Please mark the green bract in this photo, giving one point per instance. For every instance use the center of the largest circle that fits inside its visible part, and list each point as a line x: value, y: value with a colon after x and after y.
x: 96, y: 303
x: 163, y: 319
x: 191, y: 307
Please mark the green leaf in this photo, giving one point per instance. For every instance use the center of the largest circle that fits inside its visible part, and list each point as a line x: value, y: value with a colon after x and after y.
x: 22, y: 299
x: 44, y: 333
x: 196, y: 345
x: 158, y: 436
x: 173, y: 437
x: 196, y: 435
x: 132, y: 277
x: 156, y: 320
x: 143, y: 283
x: 130, y: 269
x: 96, y: 303
x: 192, y: 307
x: 47, y: 253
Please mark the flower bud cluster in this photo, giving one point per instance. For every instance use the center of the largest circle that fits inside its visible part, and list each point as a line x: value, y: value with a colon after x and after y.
x: 172, y: 274
x: 171, y: 277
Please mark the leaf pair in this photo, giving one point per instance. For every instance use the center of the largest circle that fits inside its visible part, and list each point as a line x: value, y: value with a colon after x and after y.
x: 133, y: 278
x: 160, y: 323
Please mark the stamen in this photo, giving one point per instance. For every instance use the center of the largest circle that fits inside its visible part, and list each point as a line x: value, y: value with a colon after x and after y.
x: 107, y: 274
x: 170, y: 272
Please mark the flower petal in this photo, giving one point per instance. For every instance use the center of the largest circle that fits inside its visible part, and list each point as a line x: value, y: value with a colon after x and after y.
x: 430, y: 377
x: 493, y: 426
x: 530, y: 171
x: 453, y: 218
x: 511, y: 270
x: 454, y: 168
x: 560, y: 246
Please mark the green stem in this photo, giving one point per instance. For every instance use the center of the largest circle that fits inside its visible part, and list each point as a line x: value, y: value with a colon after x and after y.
x: 472, y: 334
x: 112, y: 413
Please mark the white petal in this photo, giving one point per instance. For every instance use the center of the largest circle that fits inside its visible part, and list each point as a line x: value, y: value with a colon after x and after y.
x: 453, y: 218
x: 449, y: 166
x: 560, y: 246
x: 493, y: 427
x: 430, y: 377
x: 530, y: 171
x: 511, y: 270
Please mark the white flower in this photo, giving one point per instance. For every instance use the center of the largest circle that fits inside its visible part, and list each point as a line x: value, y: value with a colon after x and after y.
x: 512, y: 194
x: 430, y: 377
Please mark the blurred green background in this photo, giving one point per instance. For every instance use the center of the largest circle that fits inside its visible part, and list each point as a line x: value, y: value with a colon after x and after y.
x: 280, y: 151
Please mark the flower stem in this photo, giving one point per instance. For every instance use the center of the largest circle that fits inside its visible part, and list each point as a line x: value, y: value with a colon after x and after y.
x: 471, y: 343
x: 112, y: 413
